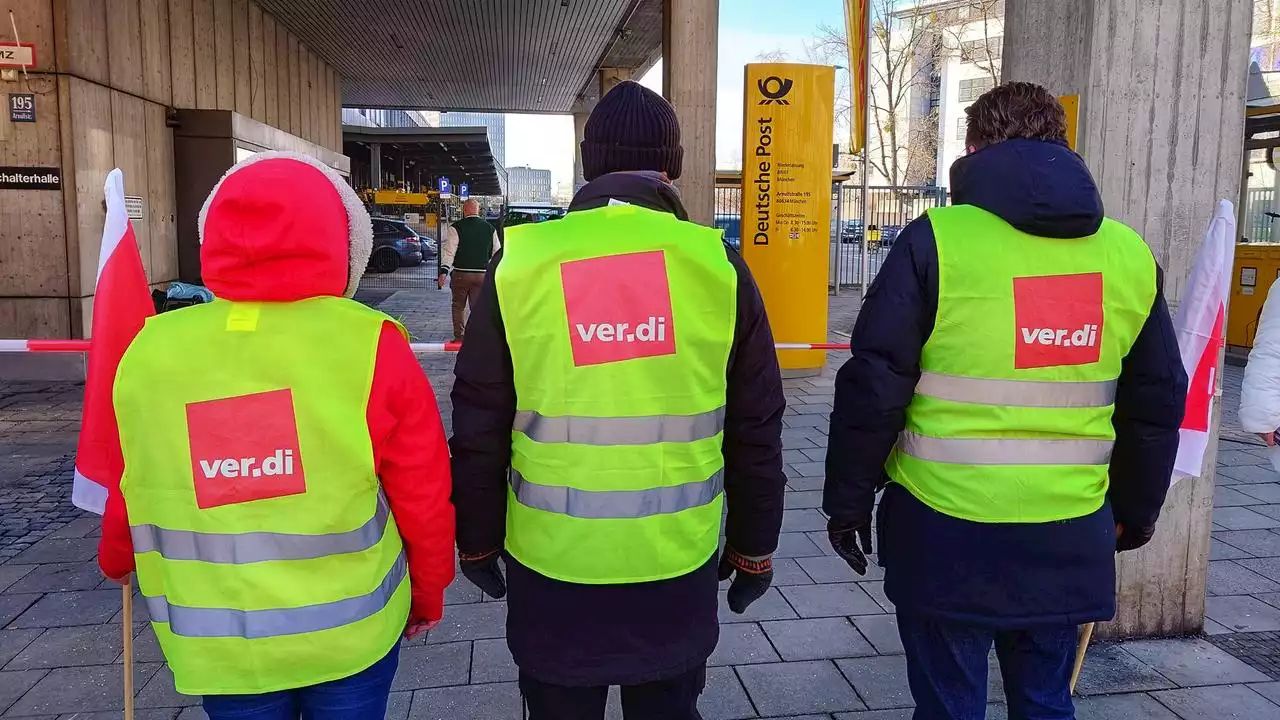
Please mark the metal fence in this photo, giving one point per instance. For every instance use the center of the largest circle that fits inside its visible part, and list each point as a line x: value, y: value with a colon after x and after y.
x: 396, y: 266
x: 1258, y: 226
x: 889, y: 210
x: 405, y: 256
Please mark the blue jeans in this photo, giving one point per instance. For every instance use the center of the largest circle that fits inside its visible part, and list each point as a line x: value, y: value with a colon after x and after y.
x: 947, y: 668
x: 362, y: 696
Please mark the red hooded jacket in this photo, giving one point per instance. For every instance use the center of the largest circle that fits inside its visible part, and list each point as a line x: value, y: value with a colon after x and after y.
x: 261, y: 244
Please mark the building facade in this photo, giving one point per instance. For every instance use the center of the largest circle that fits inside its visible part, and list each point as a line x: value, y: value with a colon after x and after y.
x: 528, y: 185
x: 112, y: 87
x: 496, y: 123
x: 967, y: 66
x: 942, y: 55
x: 374, y: 117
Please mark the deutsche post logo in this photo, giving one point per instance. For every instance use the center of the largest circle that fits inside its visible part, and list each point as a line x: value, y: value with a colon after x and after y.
x: 775, y: 90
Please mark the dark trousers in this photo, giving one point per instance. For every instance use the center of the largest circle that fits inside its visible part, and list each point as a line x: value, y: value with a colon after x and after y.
x: 674, y: 698
x: 362, y: 696
x: 947, y: 669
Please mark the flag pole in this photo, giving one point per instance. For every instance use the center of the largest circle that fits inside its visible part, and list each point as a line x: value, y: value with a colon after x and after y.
x: 127, y: 622
x: 1081, y: 649
x: 866, y: 149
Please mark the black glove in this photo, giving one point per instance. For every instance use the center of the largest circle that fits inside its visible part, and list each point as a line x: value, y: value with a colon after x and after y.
x: 754, y: 575
x: 845, y: 536
x: 484, y: 573
x: 1132, y: 538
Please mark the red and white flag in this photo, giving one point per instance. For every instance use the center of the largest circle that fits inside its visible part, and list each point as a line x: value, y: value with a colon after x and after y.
x: 121, y: 304
x: 1199, y: 326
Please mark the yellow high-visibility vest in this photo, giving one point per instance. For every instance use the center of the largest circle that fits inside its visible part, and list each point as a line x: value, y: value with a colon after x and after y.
x: 620, y: 321
x: 267, y: 555
x: 1011, y: 419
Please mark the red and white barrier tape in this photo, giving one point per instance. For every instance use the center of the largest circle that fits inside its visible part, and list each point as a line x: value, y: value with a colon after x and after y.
x: 80, y: 346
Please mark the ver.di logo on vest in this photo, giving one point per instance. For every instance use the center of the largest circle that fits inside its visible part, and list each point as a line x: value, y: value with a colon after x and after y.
x: 245, y: 448
x: 619, y: 308
x: 1058, y: 320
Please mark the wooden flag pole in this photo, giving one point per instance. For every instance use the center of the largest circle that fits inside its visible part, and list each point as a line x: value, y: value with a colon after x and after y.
x: 1085, y: 635
x: 127, y: 589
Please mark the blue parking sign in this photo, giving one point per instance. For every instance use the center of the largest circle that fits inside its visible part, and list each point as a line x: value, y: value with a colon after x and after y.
x: 464, y: 190
x: 444, y: 187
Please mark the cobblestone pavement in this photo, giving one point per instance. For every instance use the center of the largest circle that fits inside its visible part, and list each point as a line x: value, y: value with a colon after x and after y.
x: 822, y: 644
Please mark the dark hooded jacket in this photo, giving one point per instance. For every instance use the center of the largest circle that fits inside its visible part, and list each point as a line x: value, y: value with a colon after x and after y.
x: 586, y: 635
x: 1006, y: 575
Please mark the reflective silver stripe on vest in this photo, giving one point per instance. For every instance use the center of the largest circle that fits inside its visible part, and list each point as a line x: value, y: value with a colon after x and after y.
x: 616, y: 504
x: 251, y: 547
x: 1017, y: 393
x: 1005, y: 451
x: 225, y: 622
x: 645, y: 430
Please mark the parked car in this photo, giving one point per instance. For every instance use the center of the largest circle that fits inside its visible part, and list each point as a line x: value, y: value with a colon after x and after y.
x: 395, y: 245
x: 520, y: 214
x: 851, y: 232
x: 888, y: 234
x: 428, y: 245
x: 731, y: 225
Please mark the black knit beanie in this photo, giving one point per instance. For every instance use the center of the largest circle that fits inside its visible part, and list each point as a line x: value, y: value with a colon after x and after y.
x: 631, y: 128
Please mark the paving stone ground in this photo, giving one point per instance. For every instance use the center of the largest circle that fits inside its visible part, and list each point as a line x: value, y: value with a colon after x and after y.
x: 822, y: 644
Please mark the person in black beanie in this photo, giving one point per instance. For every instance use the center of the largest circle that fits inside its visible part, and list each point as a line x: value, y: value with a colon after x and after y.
x: 612, y: 587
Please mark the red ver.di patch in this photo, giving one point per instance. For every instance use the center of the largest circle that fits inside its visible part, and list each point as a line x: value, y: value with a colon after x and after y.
x: 245, y: 448
x: 1058, y: 320
x: 619, y: 308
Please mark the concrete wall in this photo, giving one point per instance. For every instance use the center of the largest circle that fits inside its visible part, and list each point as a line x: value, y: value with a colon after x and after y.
x: 1162, y: 88
x: 108, y: 72
x: 689, y: 41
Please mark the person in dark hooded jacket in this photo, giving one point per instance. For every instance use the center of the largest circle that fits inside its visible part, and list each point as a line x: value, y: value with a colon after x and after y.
x: 609, y: 585
x: 1020, y: 439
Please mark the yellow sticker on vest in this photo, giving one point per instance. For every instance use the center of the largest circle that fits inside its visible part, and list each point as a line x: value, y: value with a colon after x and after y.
x: 243, y: 318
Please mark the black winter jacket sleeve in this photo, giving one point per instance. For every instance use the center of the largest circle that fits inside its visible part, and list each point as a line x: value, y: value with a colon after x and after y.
x: 484, y: 405
x: 484, y: 408
x: 1151, y: 397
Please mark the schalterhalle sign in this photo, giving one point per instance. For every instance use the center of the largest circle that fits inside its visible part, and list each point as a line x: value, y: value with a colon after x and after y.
x: 30, y: 178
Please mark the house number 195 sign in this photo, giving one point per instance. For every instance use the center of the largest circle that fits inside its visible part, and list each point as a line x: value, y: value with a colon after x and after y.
x: 22, y: 107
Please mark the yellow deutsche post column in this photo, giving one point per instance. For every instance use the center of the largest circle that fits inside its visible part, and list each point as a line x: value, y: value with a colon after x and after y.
x: 786, y: 201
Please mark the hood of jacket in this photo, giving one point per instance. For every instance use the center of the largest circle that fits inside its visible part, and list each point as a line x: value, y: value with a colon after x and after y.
x: 645, y: 188
x: 282, y: 227
x: 1041, y: 188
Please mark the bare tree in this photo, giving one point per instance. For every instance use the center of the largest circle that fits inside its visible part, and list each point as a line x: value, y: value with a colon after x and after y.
x: 775, y: 55
x: 903, y: 49
x: 974, y: 30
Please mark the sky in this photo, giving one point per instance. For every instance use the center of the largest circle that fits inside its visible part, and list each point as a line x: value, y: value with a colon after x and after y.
x: 748, y: 28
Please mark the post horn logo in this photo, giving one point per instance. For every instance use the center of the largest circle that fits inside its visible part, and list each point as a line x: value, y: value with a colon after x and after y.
x: 774, y: 89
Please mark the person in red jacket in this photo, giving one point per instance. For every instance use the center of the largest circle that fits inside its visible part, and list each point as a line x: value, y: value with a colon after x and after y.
x: 283, y: 236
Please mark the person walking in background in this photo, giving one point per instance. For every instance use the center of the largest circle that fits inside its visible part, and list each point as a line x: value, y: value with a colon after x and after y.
x: 285, y: 498
x: 619, y: 361
x: 1016, y: 389
x: 468, y: 246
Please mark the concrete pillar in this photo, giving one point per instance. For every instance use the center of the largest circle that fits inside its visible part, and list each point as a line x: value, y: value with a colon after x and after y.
x: 689, y: 45
x: 1162, y: 93
x: 579, y: 126
x: 609, y: 77
x: 375, y: 165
